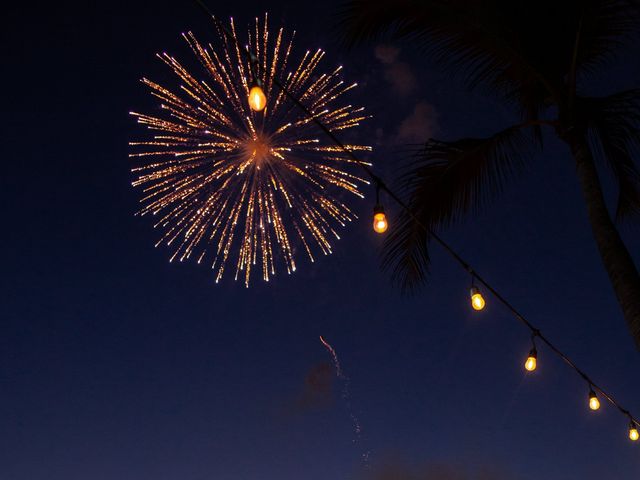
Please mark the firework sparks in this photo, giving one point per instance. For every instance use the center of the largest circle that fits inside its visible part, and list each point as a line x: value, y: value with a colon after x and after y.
x: 232, y: 185
x: 346, y: 397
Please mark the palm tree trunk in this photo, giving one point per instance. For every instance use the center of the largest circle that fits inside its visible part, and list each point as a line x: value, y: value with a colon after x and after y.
x: 617, y: 261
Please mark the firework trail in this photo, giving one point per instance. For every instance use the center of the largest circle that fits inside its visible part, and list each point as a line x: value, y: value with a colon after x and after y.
x: 346, y: 397
x: 231, y: 185
x: 334, y: 356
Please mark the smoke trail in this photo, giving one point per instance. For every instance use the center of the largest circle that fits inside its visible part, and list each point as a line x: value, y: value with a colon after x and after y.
x: 346, y: 397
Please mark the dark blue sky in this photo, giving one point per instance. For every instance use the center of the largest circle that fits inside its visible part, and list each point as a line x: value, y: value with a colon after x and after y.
x: 115, y: 364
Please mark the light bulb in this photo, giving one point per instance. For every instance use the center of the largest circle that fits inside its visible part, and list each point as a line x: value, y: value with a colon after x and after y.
x: 633, y: 432
x: 477, y: 301
x: 594, y: 403
x: 380, y: 223
x: 257, y: 98
x: 532, y: 361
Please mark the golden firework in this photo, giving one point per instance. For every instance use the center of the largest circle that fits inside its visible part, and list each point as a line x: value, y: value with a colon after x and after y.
x: 231, y: 184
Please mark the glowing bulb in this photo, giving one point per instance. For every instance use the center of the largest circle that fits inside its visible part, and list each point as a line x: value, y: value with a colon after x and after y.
x: 380, y: 223
x: 532, y: 361
x: 257, y: 98
x: 633, y: 432
x: 594, y: 403
x: 477, y: 300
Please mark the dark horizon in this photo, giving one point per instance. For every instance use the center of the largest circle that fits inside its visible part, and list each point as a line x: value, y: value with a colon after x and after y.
x: 116, y: 363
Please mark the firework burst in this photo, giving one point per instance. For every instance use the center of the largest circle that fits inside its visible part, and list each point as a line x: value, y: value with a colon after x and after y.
x: 230, y: 185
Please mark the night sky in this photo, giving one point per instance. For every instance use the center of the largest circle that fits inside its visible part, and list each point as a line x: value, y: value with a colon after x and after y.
x: 116, y: 364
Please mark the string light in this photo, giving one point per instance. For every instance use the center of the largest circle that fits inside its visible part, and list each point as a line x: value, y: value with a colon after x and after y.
x: 380, y: 223
x: 594, y: 403
x: 477, y: 300
x: 532, y: 361
x: 257, y: 98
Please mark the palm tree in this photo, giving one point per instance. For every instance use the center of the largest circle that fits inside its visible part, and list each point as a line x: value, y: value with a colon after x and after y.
x: 537, y: 55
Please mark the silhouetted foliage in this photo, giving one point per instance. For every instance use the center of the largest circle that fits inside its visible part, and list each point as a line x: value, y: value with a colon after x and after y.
x: 536, y: 55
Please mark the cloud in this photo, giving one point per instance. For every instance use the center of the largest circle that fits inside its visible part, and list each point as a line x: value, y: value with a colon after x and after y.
x: 398, y: 74
x: 386, y: 53
x: 420, y: 125
x: 317, y: 391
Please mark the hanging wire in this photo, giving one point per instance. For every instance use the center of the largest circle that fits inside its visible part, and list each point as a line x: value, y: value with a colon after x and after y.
x: 380, y: 185
x: 534, y: 334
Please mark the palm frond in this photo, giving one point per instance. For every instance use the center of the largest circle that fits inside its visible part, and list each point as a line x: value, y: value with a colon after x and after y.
x: 613, y: 125
x: 406, y: 253
x: 473, y: 39
x: 521, y: 51
x: 605, y: 25
x: 447, y: 181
